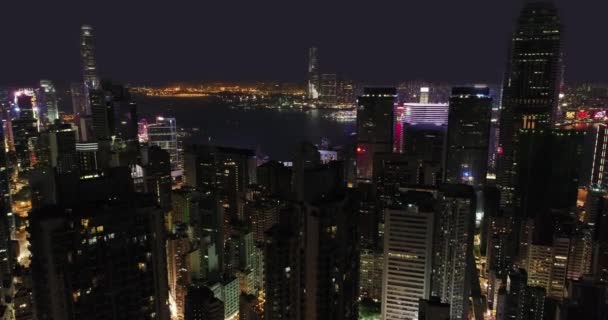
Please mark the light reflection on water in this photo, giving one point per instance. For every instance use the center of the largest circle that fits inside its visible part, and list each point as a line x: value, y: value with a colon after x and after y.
x: 275, y: 132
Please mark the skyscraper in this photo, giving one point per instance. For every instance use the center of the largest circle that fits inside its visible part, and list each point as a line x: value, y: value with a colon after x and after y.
x: 87, y: 55
x: 163, y: 133
x: 453, y: 263
x: 201, y: 304
x: 6, y: 218
x: 374, y: 128
x: 314, y: 89
x: 530, y: 87
x: 25, y: 129
x: 100, y: 252
x: 408, y: 253
x: 468, y: 136
x: 50, y: 100
x: 328, y: 89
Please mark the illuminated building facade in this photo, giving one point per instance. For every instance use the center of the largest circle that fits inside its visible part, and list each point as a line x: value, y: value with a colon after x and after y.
x: 596, y: 174
x: 50, y: 100
x: 408, y: 247
x: 163, y: 133
x: 530, y: 92
x: 423, y: 113
x: 314, y: 89
x: 87, y: 55
x: 371, y: 264
x: 24, y: 129
x: 374, y: 128
x: 453, y: 263
x: 328, y: 89
x: 468, y: 137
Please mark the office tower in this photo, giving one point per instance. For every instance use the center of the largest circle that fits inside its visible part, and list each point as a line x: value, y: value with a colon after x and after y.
x: 540, y: 260
x: 533, y: 307
x: 158, y: 175
x: 371, y: 265
x: 453, y: 263
x: 201, y: 304
x: 374, y: 128
x: 312, y: 180
x: 100, y: 252
x: 559, y: 267
x: 547, y: 266
x: 26, y: 104
x: 544, y: 186
x: 426, y: 113
x: 223, y: 171
x: 468, y: 136
x: 398, y: 127
x: 517, y: 281
x: 275, y: 177
x: 580, y: 255
x: 7, y: 254
x: 314, y: 89
x: 346, y: 92
x: 425, y: 145
x: 263, y: 214
x: 530, y: 88
x: 86, y: 155
x: 424, y: 95
x: 24, y: 129
x: 500, y: 241
x: 229, y: 292
x: 87, y: 55
x: 122, y: 112
x: 163, y: 133
x: 283, y: 262
x: 80, y: 105
x: 328, y: 89
x: 331, y: 251
x: 179, y: 247
x: 102, y: 116
x: 62, y: 143
x: 50, y: 100
x: 595, y: 166
x: 433, y: 309
x: 408, y: 252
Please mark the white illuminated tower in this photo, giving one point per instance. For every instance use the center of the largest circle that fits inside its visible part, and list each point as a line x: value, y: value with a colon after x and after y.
x: 163, y: 133
x: 313, y: 74
x: 87, y: 54
x: 408, y: 243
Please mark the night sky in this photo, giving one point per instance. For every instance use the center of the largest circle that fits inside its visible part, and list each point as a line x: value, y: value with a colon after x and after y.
x: 159, y: 41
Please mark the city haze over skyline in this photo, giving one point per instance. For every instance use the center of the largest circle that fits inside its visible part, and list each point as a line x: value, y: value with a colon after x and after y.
x: 151, y: 42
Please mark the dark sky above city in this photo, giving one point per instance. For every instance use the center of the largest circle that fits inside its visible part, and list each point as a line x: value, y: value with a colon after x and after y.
x: 159, y: 41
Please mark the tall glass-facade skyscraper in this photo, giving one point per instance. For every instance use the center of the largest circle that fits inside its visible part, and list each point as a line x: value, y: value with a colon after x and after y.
x: 531, y: 85
x: 87, y: 54
x: 468, y: 135
x: 163, y: 133
x: 50, y: 100
x: 313, y: 74
x: 375, y: 110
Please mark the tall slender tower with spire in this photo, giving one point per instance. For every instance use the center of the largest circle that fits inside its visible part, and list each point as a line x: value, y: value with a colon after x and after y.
x: 313, y: 74
x: 87, y: 54
x: 530, y: 88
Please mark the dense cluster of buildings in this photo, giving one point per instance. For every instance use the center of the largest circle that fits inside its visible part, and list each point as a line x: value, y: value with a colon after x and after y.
x: 438, y: 210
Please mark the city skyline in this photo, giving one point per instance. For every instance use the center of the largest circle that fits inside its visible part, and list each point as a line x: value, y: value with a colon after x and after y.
x: 330, y: 197
x: 206, y: 42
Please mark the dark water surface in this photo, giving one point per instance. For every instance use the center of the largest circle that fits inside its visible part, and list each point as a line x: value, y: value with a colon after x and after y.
x: 276, y: 132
